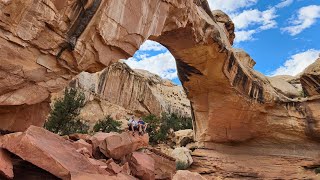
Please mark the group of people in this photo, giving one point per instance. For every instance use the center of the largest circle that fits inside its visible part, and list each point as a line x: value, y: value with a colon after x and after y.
x: 137, y: 125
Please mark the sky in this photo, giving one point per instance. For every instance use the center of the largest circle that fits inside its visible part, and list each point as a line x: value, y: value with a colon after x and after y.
x: 282, y: 36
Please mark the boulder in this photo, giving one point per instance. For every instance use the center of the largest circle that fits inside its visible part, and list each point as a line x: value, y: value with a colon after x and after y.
x: 182, y: 156
x: 83, y: 144
x: 165, y: 166
x: 114, y: 168
x: 96, y: 140
x: 183, y: 137
x: 49, y: 152
x: 117, y: 146
x: 142, y: 165
x: 6, y: 167
x: 126, y: 169
x: 164, y: 148
x: 187, y: 175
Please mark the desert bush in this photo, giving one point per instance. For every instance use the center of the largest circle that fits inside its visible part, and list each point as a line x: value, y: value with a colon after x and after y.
x: 181, y: 165
x: 63, y: 118
x: 108, y: 124
x: 159, y: 128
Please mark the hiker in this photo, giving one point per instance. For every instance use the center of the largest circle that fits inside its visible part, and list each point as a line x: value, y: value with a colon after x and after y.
x: 142, y: 126
x: 133, y: 125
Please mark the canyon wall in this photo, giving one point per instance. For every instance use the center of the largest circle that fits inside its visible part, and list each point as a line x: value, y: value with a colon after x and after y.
x: 122, y: 92
x: 45, y: 43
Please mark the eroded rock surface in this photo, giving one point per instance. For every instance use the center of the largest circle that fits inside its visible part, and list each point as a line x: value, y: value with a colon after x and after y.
x: 43, y: 44
x: 120, y: 92
x: 48, y: 150
x: 117, y: 145
x: 6, y: 167
x: 310, y: 79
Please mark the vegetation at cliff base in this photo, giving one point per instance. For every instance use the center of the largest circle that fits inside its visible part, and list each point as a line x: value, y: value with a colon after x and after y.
x: 160, y: 128
x: 64, y: 117
x: 181, y: 165
x: 108, y: 124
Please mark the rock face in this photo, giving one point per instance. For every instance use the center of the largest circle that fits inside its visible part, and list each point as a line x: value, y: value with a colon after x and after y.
x: 142, y: 166
x: 244, y: 162
x: 183, y: 137
x: 48, y: 150
x: 165, y: 166
x: 310, y: 79
x: 187, y: 175
x: 120, y: 91
x: 117, y: 145
x: 43, y: 44
x: 216, y: 77
x: 6, y: 167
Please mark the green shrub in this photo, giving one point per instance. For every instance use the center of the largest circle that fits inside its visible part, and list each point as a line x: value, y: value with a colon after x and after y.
x: 108, y: 124
x: 181, y: 165
x: 158, y: 128
x: 63, y: 119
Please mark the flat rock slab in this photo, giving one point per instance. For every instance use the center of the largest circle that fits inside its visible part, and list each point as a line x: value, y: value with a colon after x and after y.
x: 48, y: 151
x: 117, y: 145
x: 6, y: 167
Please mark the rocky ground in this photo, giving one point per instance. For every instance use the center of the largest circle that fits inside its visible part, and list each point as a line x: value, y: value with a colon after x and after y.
x: 40, y: 154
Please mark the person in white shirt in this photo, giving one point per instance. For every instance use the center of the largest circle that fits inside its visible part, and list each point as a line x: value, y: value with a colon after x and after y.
x: 133, y: 125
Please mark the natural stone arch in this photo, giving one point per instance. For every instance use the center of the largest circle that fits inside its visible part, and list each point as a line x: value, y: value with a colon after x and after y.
x: 231, y: 102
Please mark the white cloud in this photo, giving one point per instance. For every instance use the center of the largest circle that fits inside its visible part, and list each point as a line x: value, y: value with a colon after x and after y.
x: 297, y: 63
x: 230, y: 6
x: 306, y: 17
x: 244, y: 35
x: 151, y: 46
x: 265, y: 19
x: 261, y: 20
x: 162, y: 64
x: 284, y: 3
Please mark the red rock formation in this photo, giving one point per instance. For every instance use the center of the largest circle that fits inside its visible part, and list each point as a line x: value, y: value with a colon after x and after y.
x: 49, y: 152
x: 187, y: 175
x: 133, y: 92
x: 6, y: 167
x: 117, y: 145
x: 310, y: 79
x: 142, y: 166
x: 43, y: 44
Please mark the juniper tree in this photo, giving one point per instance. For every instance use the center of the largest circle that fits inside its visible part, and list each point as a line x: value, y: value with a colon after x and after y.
x: 64, y: 117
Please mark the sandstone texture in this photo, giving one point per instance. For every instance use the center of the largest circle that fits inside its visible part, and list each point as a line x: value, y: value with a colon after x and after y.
x: 245, y: 162
x: 43, y: 44
x: 121, y: 92
x: 183, y: 137
x: 165, y: 166
x: 187, y: 175
x: 48, y: 151
x: 142, y: 166
x: 310, y: 79
x: 37, y: 153
x: 230, y: 101
x: 6, y: 167
x: 117, y: 145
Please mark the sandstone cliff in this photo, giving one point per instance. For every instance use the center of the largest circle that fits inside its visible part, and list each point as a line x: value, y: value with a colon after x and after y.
x: 120, y: 92
x: 43, y: 44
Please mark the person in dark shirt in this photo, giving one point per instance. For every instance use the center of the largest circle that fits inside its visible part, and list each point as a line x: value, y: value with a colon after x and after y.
x: 142, y: 126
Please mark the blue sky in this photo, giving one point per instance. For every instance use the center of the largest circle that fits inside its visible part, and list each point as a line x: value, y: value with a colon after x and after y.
x: 282, y: 36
